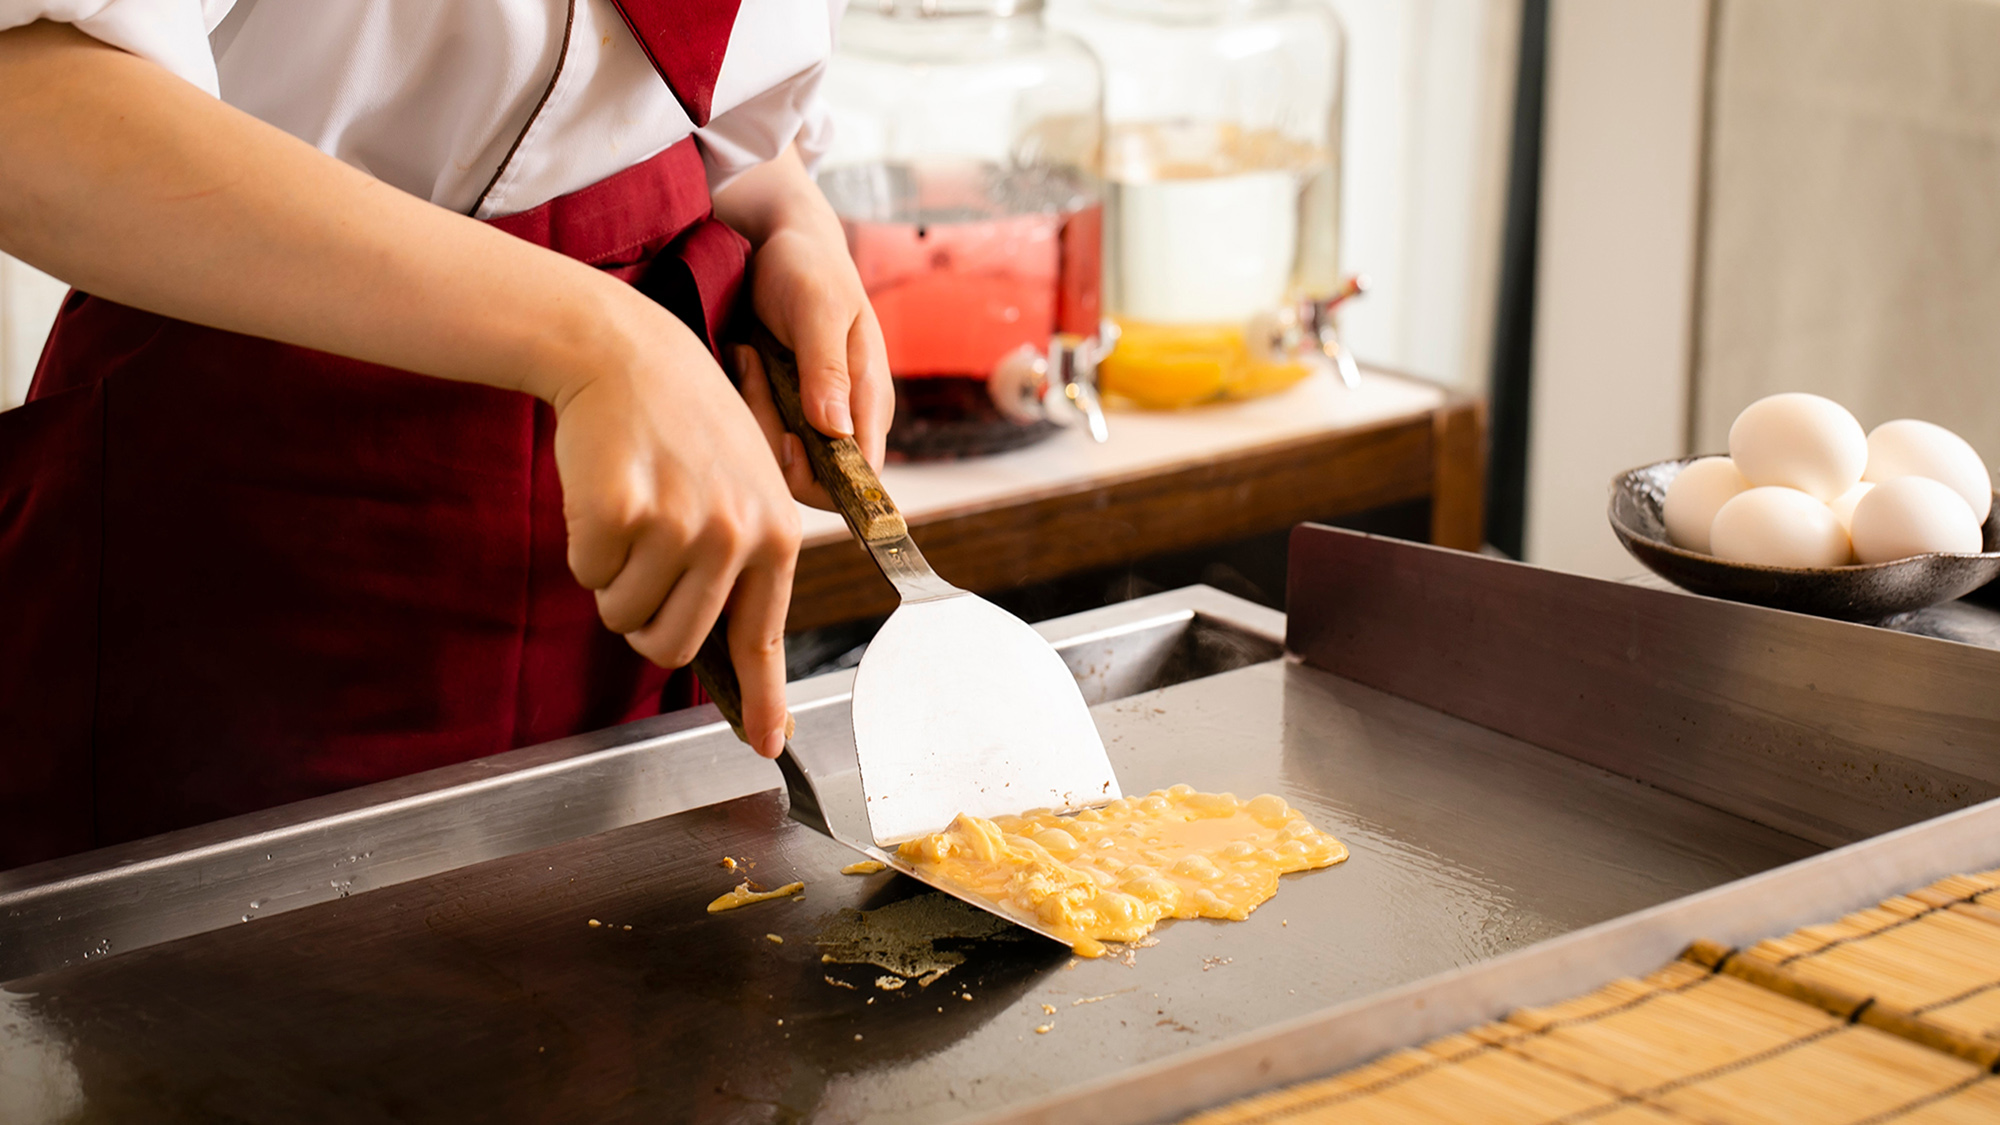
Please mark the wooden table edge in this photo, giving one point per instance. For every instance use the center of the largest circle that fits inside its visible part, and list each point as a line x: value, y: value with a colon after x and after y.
x: 1452, y: 478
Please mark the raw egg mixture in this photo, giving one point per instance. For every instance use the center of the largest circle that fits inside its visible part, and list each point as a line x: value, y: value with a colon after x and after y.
x: 741, y: 895
x: 1112, y: 873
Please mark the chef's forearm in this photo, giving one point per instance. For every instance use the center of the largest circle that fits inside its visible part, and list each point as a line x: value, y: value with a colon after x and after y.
x: 775, y: 195
x: 131, y: 184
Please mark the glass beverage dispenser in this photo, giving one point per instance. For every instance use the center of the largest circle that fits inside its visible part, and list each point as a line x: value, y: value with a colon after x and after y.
x: 963, y: 168
x: 1222, y: 179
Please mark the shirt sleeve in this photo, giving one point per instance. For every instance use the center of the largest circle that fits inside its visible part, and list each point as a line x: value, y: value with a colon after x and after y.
x: 172, y: 33
x: 761, y: 127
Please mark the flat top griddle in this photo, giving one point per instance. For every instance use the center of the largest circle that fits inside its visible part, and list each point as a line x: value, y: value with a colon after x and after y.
x: 482, y: 993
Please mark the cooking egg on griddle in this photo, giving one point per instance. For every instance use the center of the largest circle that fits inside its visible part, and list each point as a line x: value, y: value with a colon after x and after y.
x: 1773, y: 526
x: 1907, y: 447
x: 1693, y: 498
x: 1799, y: 441
x: 1913, y: 516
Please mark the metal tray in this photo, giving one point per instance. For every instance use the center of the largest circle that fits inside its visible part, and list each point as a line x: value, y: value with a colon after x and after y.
x: 468, y: 984
x: 1842, y: 733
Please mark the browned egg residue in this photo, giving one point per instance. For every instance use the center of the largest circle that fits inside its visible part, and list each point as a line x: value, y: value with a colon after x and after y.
x: 864, y: 867
x: 1112, y: 873
x: 742, y: 895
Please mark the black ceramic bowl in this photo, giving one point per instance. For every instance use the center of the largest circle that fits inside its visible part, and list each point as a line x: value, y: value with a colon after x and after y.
x: 1850, y: 593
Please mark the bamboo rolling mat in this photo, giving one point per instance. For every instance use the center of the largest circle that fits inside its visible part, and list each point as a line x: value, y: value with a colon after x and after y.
x: 1890, y: 1014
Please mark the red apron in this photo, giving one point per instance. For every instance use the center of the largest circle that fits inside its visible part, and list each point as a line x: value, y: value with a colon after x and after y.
x: 236, y: 573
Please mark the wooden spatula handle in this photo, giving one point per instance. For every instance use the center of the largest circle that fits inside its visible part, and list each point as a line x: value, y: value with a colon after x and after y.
x: 718, y: 678
x: 717, y: 674
x: 836, y: 462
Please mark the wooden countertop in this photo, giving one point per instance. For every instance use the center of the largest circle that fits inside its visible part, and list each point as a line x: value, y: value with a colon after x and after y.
x: 1167, y: 480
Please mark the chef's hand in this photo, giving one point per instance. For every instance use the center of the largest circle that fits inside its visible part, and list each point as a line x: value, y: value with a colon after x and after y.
x: 676, y: 511
x: 804, y: 287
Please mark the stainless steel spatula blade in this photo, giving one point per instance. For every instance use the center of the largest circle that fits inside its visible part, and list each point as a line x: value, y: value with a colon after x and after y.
x: 815, y: 773
x: 960, y: 707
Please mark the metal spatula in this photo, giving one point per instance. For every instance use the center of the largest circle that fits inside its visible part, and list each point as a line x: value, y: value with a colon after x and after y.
x: 958, y: 705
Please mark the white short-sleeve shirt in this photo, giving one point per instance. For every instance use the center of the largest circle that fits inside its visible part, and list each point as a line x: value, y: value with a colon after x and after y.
x: 429, y: 95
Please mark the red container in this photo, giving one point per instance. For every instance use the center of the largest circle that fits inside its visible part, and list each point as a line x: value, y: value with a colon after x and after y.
x: 967, y: 265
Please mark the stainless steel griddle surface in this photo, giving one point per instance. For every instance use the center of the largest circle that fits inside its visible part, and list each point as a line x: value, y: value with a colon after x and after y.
x: 483, y: 994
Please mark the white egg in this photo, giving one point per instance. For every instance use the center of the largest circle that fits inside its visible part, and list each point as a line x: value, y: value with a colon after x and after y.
x: 1778, y: 527
x: 1909, y: 448
x: 1799, y: 441
x: 1912, y: 516
x: 1694, y: 496
x: 1843, y: 505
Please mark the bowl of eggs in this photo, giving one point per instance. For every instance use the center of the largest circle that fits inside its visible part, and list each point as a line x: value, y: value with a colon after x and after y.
x: 1809, y: 513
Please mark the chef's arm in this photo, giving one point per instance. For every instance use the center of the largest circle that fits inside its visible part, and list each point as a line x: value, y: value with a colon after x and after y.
x: 134, y: 185
x: 131, y: 184
x: 804, y: 285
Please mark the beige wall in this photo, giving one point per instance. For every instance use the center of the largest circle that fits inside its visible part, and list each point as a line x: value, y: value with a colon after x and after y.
x: 1853, y: 229
x: 1429, y: 98
x: 1615, y: 276
x: 1845, y: 240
